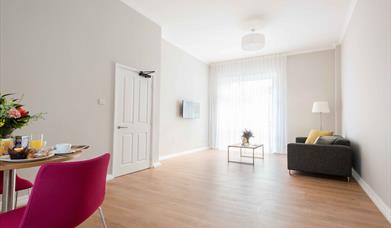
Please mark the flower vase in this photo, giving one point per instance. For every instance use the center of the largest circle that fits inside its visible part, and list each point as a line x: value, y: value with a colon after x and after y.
x: 5, y: 132
x: 245, y: 141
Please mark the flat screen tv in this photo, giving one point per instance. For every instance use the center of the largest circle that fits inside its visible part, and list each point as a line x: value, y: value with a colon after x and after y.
x: 190, y: 110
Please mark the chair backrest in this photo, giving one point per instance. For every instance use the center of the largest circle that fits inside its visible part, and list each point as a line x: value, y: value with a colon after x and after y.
x: 66, y: 194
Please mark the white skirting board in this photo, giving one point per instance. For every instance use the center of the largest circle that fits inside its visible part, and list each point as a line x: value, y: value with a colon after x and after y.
x: 22, y: 200
x: 156, y: 165
x: 384, y: 209
x: 165, y: 157
x: 109, y: 177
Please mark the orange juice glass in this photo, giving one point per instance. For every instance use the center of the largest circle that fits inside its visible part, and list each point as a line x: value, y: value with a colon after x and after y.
x: 5, y: 144
x: 37, y: 143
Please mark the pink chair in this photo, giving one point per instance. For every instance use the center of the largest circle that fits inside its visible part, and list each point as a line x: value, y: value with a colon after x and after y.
x: 21, y: 184
x: 64, y: 195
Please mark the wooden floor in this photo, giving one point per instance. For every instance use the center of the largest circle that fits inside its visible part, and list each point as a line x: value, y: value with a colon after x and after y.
x: 202, y: 190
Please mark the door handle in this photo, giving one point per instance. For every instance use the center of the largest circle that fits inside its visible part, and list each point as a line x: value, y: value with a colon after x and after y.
x: 119, y: 127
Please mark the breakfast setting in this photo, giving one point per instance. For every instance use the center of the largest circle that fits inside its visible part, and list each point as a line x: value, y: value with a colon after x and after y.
x: 24, y: 151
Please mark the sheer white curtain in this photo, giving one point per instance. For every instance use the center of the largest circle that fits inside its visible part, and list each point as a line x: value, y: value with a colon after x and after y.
x: 249, y: 94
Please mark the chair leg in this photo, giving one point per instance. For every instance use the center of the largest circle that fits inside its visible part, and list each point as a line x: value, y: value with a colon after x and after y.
x: 102, y: 217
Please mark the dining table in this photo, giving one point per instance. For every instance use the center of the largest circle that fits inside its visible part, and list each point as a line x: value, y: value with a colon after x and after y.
x: 9, y: 175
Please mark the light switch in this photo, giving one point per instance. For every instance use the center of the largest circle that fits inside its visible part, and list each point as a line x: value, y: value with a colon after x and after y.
x: 101, y: 101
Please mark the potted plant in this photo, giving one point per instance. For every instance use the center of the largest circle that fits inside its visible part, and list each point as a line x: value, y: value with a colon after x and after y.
x: 247, y: 134
x: 13, y: 116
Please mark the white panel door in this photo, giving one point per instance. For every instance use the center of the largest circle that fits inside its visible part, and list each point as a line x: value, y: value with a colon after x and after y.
x: 132, y: 121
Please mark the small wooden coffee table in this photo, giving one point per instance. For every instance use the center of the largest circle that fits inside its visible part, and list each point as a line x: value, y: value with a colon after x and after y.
x: 247, y: 146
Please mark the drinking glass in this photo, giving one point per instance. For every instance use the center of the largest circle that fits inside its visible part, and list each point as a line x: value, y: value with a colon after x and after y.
x: 5, y: 144
x: 37, y: 143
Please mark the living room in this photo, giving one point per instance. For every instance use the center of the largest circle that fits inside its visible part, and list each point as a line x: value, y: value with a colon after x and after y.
x: 214, y: 114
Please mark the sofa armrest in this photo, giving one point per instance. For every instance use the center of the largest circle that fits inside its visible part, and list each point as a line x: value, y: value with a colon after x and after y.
x: 301, y: 139
x: 327, y: 159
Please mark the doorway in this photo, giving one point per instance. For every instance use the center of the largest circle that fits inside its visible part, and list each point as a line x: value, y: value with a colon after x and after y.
x: 132, y: 121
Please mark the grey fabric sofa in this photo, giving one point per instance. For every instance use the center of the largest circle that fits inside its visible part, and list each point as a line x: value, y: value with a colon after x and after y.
x: 334, y: 159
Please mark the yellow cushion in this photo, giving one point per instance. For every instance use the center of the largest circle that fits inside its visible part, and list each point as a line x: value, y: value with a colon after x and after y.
x: 314, y: 134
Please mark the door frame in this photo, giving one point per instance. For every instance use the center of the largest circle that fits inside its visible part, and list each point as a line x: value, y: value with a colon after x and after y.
x: 115, y: 140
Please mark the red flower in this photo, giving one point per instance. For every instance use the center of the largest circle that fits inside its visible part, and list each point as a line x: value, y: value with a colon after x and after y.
x: 23, y: 112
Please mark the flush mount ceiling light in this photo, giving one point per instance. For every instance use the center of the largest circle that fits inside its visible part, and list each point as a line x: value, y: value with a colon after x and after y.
x: 253, y: 41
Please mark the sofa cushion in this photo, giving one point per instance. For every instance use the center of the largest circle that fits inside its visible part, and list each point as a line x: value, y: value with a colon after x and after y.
x: 314, y: 134
x: 326, y: 140
x: 332, y: 140
x: 342, y: 141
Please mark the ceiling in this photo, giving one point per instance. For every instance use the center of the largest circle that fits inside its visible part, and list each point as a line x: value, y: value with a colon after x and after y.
x: 211, y: 30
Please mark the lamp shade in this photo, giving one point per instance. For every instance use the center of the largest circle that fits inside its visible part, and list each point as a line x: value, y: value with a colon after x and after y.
x: 320, y: 107
x: 253, y: 42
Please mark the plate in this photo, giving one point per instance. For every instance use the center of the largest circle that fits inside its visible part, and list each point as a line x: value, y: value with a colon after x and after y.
x: 6, y: 158
x: 74, y: 149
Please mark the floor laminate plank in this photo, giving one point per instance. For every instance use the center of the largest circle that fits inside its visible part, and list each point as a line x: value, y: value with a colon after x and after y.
x: 203, y: 190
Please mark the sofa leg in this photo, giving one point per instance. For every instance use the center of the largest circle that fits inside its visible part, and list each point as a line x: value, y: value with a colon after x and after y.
x: 348, y: 179
x: 290, y: 172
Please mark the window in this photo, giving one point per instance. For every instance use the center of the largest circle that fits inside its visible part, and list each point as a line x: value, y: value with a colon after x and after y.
x: 249, y: 94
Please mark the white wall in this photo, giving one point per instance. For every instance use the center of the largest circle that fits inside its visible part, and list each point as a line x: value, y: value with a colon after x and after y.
x: 366, y: 98
x: 182, y: 77
x: 61, y: 55
x: 310, y: 77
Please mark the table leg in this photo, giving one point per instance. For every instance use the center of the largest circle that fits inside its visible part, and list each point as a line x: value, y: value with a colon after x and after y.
x: 4, y: 202
x: 253, y: 156
x: 228, y: 155
x: 8, y: 197
x: 11, y: 189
